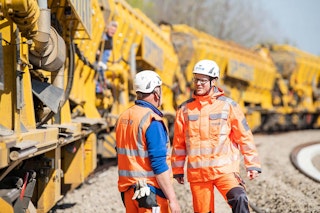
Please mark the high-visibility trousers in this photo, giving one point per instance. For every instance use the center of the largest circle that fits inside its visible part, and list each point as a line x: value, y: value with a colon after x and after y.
x: 203, y: 193
x: 132, y: 206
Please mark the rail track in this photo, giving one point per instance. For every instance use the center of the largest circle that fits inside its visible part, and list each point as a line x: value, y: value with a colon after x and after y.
x: 306, y: 158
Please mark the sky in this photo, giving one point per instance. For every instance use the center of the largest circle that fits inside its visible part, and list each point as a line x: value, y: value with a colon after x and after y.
x: 297, y: 20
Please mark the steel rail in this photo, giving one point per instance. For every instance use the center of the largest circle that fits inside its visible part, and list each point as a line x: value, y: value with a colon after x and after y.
x: 302, y: 156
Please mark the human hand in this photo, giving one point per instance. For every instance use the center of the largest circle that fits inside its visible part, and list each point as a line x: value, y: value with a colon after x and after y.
x: 252, y: 174
x: 180, y: 179
x: 174, y: 207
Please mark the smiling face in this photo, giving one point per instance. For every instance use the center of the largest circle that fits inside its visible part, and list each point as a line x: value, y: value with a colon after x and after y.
x: 202, y: 84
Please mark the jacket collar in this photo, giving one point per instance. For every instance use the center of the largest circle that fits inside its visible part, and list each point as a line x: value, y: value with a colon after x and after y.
x: 149, y: 105
x: 214, y: 93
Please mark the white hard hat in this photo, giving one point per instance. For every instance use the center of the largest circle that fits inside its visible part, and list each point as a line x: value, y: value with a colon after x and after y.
x: 145, y: 81
x: 207, y: 67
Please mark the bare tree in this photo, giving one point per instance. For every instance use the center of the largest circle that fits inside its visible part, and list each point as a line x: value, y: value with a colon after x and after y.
x: 243, y: 22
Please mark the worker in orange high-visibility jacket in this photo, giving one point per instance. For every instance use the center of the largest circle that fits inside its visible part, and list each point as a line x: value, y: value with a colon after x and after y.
x: 142, y: 143
x: 211, y: 131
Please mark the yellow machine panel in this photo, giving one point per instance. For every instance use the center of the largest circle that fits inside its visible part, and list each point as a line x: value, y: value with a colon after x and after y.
x: 55, y: 126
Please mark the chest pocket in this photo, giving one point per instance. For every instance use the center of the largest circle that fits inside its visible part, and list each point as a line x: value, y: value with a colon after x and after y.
x: 217, y: 121
x: 194, y: 125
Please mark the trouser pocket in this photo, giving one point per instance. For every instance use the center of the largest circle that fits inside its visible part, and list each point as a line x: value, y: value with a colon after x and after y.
x: 148, y: 201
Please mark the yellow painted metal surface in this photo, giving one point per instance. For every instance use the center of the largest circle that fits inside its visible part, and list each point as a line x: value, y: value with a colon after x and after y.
x: 90, y: 152
x: 107, y: 144
x: 276, y: 85
x: 5, y: 206
x: 8, y: 93
x: 73, y: 164
x: 301, y: 71
x: 57, y: 171
x: 49, y: 187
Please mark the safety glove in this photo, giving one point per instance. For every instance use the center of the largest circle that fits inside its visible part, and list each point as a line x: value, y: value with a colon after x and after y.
x: 142, y: 189
x: 102, y: 66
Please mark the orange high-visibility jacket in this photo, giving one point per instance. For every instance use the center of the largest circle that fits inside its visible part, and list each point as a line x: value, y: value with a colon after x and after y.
x: 132, y: 153
x: 212, y: 131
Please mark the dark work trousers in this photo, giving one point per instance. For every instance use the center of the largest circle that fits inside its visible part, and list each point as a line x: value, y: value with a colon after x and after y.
x: 238, y: 200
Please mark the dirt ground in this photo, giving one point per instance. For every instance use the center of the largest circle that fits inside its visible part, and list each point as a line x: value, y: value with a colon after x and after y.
x: 280, y: 187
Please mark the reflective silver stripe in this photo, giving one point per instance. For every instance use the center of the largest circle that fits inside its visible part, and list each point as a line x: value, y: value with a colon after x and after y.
x: 245, y: 124
x: 193, y: 117
x: 228, y: 100
x: 179, y: 152
x: 218, y: 116
x: 221, y: 148
x: 140, y: 128
x: 248, y: 147
x: 127, y: 173
x: 203, y: 151
x: 131, y: 152
x: 223, y: 135
x: 212, y: 163
x: 185, y: 115
x: 140, y: 151
x: 176, y: 164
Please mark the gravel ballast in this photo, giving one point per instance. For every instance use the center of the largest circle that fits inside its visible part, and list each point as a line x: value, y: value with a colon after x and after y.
x: 280, y: 187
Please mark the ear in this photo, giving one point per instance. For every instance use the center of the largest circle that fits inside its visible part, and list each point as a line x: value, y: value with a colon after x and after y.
x: 156, y: 96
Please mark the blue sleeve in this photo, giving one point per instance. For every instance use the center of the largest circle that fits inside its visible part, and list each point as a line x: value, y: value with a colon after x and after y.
x: 157, y: 138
